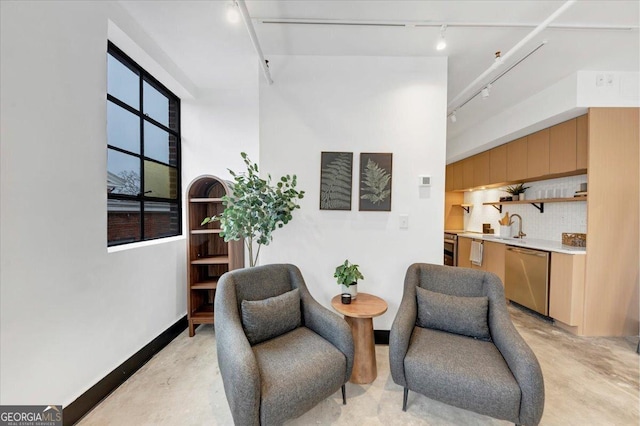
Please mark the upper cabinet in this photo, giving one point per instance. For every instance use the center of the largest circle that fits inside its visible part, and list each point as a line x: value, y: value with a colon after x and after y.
x: 498, y: 165
x: 563, y: 147
x: 481, y: 168
x: 517, y: 159
x: 582, y: 142
x: 467, y: 173
x: 560, y: 150
x: 538, y: 154
x: 457, y: 176
x: 448, y: 178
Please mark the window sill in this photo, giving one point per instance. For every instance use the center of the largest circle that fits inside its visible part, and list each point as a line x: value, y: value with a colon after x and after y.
x: 141, y: 244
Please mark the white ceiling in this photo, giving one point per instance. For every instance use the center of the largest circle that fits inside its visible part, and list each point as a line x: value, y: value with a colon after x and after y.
x: 210, y: 50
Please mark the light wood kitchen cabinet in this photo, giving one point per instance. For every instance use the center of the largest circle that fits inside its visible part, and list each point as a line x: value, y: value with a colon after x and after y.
x: 492, y: 256
x: 481, y: 168
x: 538, y: 154
x: 562, y: 147
x: 467, y: 173
x: 457, y: 176
x: 566, y: 288
x: 464, y: 251
x: 517, y: 159
x: 498, y: 164
x: 448, y: 178
x: 582, y: 142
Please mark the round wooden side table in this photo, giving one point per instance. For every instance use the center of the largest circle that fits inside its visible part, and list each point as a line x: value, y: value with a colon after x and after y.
x: 359, y: 315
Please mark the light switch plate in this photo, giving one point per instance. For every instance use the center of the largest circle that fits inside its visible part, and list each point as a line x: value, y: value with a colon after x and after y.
x: 404, y: 221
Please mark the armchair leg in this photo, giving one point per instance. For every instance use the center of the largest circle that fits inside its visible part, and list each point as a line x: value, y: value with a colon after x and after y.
x: 404, y: 399
x: 344, y: 395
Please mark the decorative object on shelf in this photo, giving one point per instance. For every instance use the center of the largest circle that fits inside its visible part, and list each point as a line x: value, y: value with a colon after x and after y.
x: 574, y: 240
x: 375, y: 181
x: 348, y: 275
x: 487, y: 229
x: 336, y: 169
x: 516, y: 190
x: 255, y: 208
x: 506, y: 199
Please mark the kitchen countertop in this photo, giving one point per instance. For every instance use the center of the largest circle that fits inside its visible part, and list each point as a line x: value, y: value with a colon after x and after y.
x: 532, y: 243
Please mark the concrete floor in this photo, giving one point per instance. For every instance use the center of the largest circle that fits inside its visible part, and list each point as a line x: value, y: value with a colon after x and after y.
x: 588, y: 381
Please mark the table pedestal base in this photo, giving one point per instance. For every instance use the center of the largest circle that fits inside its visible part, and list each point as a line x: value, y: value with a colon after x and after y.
x: 364, y: 362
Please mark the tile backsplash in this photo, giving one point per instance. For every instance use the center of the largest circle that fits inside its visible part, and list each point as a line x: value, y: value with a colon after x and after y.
x: 556, y: 219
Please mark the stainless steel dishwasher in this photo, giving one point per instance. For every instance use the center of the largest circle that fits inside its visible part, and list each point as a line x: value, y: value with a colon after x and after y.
x: 526, y: 278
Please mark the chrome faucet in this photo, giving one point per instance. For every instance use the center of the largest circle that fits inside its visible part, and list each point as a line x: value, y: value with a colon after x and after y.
x: 520, y: 233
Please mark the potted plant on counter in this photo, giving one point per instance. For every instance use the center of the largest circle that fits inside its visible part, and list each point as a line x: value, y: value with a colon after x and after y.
x: 516, y: 190
x: 348, y: 275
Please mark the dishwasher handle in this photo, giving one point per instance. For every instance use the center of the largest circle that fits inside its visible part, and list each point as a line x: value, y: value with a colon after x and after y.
x: 528, y: 252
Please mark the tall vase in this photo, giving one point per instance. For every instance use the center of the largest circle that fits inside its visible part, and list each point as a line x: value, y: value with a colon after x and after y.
x: 351, y: 289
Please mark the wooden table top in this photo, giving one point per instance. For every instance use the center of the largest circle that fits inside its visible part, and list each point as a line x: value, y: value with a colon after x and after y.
x: 364, y: 306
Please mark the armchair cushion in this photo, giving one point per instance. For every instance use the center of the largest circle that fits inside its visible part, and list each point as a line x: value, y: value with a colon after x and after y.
x: 297, y: 369
x: 268, y: 318
x: 455, y: 314
x: 460, y: 371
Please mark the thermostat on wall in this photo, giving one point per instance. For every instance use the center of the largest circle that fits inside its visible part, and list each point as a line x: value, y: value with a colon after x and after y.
x: 425, y: 180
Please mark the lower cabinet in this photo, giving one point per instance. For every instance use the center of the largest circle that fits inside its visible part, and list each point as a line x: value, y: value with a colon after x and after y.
x: 492, y: 256
x: 566, y: 288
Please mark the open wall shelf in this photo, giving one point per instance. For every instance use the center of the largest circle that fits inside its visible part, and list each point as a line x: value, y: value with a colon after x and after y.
x: 539, y: 204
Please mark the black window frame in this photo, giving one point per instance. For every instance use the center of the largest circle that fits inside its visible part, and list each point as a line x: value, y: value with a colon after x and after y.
x: 141, y: 198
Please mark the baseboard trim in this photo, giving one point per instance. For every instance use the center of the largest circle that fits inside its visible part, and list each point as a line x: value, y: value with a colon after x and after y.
x: 381, y: 337
x: 72, y: 413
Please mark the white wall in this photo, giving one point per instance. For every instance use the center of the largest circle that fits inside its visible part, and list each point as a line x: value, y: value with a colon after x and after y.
x: 357, y: 104
x: 556, y: 219
x: 70, y: 311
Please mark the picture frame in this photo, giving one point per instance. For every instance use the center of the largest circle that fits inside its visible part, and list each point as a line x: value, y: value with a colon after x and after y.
x: 375, y: 180
x: 336, y: 175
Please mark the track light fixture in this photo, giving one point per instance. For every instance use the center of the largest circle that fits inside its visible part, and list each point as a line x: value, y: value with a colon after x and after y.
x: 453, y: 117
x: 442, y: 42
x: 233, y: 15
x: 485, y: 92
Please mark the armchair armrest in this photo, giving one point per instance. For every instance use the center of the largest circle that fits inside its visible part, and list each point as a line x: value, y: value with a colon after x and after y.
x: 323, y: 322
x: 523, y: 365
x: 236, y: 360
x: 331, y: 327
x: 402, y: 327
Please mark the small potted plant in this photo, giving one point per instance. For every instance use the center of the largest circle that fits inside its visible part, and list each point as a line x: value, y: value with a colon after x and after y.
x: 348, y: 275
x: 516, y: 190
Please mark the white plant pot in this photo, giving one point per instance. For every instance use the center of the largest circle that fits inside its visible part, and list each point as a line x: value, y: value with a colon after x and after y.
x: 352, y: 290
x: 505, y: 231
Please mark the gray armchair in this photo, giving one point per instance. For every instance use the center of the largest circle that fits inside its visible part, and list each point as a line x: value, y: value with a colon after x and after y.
x: 271, y: 371
x: 493, y: 373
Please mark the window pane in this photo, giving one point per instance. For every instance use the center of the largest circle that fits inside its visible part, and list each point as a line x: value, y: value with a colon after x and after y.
x: 123, y: 83
x: 160, y: 180
x: 161, y: 219
x: 156, y: 143
x: 123, y: 128
x: 123, y: 221
x: 123, y: 173
x: 156, y: 105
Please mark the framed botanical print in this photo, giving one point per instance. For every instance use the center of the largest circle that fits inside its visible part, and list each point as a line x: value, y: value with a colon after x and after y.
x: 336, y: 170
x: 375, y: 181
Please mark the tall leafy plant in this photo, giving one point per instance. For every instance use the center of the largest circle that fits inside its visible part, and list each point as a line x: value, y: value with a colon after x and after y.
x: 256, y: 208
